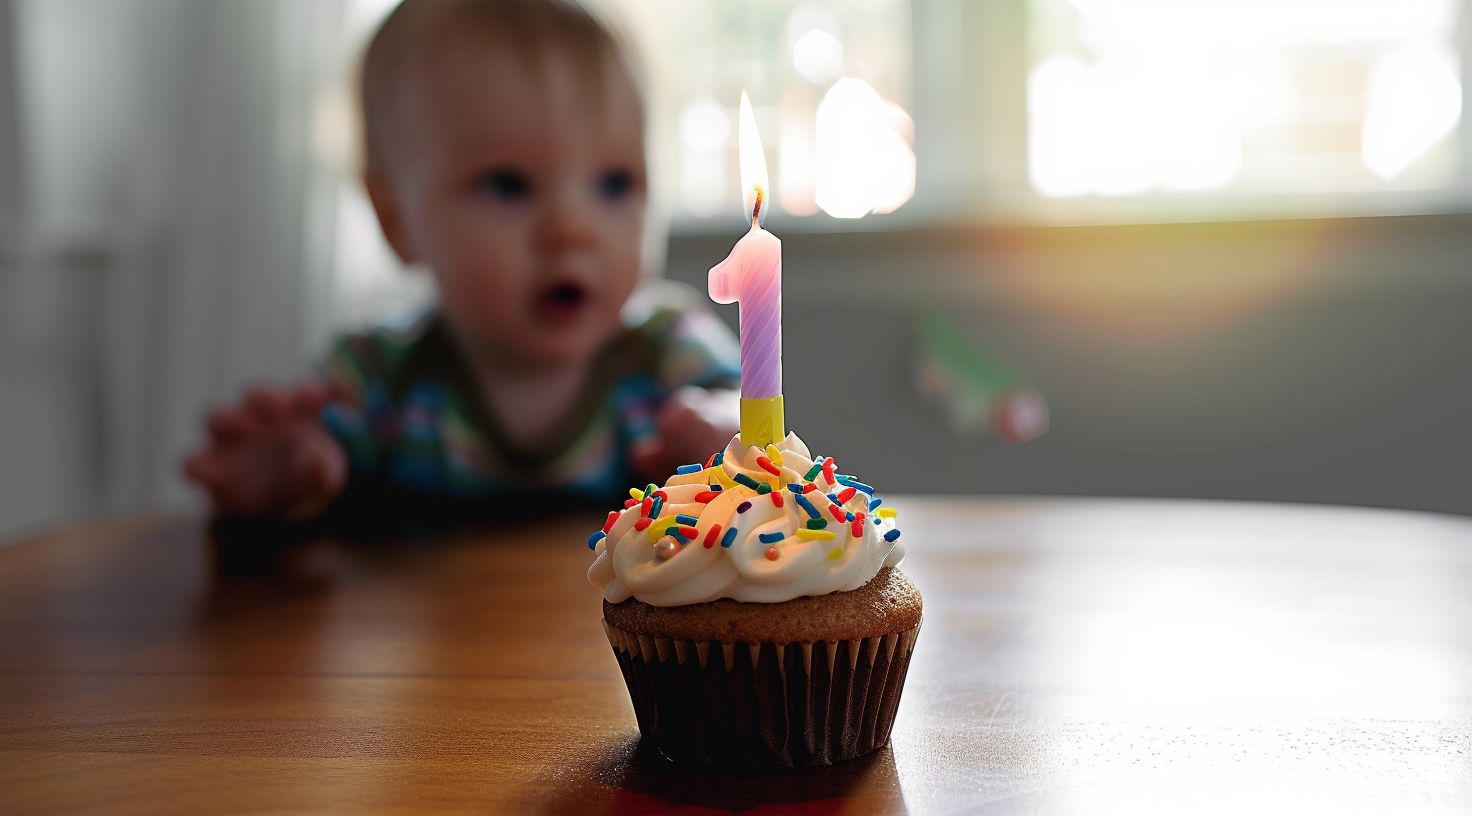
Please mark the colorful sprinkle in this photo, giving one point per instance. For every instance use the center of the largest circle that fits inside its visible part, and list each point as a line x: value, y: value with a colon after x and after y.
x: 873, y: 503
x: 729, y: 538
x: 685, y: 469
x: 806, y: 505
x: 886, y: 512
x: 829, y: 466
x: 688, y: 532
x: 837, y: 513
x: 642, y: 524
x: 810, y: 488
x: 835, y: 553
x: 856, y: 528
x: 680, y: 538
x: 794, y: 487
x: 661, y: 526
x: 747, y: 481
x: 813, y: 471
x: 656, y: 507
x: 848, y: 516
x: 706, y: 496
x: 855, y: 483
x: 774, y: 454
x: 776, y: 498
x: 711, y: 535
x: 817, y: 523
x: 814, y: 535
x: 763, y: 490
x: 665, y: 548
x: 766, y: 464
x: 647, y: 507
x: 892, y: 535
x: 743, y: 507
x: 630, y: 503
x: 772, y: 553
x: 687, y: 519
x: 635, y: 493
x: 710, y: 460
x: 771, y: 538
x: 720, y: 457
x: 650, y: 489
x: 845, y: 494
x: 595, y: 538
x: 608, y: 524
x: 717, y: 488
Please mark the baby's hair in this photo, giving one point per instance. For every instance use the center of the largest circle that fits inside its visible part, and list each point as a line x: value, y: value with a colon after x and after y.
x: 531, y: 27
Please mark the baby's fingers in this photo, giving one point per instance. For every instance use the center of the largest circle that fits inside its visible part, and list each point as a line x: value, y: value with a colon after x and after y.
x: 227, y: 425
x: 268, y: 405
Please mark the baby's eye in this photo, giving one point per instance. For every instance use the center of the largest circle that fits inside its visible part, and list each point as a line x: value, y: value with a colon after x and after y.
x: 504, y: 184
x: 615, y: 185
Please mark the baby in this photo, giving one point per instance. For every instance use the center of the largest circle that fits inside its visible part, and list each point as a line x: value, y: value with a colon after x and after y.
x: 504, y: 147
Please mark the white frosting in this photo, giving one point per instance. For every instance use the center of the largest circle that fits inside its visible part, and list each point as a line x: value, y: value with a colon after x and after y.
x: 627, y: 564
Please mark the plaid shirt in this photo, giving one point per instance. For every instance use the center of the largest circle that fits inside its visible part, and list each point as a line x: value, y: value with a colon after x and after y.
x: 418, y: 423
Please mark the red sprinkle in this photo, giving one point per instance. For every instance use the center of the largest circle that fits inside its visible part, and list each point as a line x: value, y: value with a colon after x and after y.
x: 608, y: 525
x: 771, y: 553
x: 663, y: 496
x: 776, y: 498
x: 766, y: 464
x: 809, y: 487
x: 688, y: 532
x: 706, y: 496
x: 860, y: 517
x: 846, y: 494
x: 648, y: 505
x: 711, y: 461
x: 837, y: 513
x: 711, y: 535
x: 856, y: 528
x: 630, y: 503
x: 642, y: 524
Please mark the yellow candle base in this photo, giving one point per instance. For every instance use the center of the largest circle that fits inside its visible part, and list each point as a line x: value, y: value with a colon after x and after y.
x: 762, y: 421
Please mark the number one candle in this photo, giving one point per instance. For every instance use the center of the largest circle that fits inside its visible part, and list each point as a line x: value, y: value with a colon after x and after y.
x: 752, y: 276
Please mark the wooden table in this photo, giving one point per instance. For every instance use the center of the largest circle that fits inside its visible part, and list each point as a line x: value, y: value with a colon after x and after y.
x: 1077, y: 656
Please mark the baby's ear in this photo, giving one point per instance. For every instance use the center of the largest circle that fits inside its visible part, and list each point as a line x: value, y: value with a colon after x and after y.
x: 390, y: 218
x: 723, y: 283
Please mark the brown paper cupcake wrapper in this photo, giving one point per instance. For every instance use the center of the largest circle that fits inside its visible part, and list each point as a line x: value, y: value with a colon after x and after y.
x: 787, y: 704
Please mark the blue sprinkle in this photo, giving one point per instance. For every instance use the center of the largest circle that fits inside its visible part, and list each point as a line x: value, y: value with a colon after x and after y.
x: 892, y: 535
x: 689, y: 521
x: 873, y: 503
x: 876, y: 520
x: 834, y: 499
x: 850, y: 516
x: 654, y: 507
x: 743, y: 507
x: 595, y: 538
x: 773, y: 538
x: 720, y: 457
x: 743, y: 479
x: 716, y: 488
x: 684, y: 469
x: 684, y: 540
x: 850, y: 481
x: 794, y: 487
x: 729, y: 538
x: 806, y: 505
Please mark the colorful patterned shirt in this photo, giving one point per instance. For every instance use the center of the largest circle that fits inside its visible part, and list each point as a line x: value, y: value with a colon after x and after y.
x: 419, y: 426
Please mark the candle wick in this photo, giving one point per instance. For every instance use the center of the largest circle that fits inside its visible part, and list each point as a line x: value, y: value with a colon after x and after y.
x: 756, y: 209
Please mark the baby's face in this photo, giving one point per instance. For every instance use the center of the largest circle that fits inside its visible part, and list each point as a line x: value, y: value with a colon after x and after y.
x: 523, y: 189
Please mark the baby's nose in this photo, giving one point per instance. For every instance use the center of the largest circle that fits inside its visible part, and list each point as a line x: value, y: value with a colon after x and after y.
x: 567, y: 223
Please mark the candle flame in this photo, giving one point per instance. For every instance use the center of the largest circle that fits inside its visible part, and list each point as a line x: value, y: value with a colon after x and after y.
x: 754, y: 184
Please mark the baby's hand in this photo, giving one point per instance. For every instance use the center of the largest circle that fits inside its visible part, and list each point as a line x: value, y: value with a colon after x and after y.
x: 270, y: 455
x: 692, y: 424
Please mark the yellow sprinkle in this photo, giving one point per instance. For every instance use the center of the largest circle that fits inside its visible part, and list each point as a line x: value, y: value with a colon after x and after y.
x: 659, y: 527
x: 835, y: 553
x: 814, y: 535
x: 720, y: 477
x: 636, y: 494
x: 886, y: 512
x: 774, y: 454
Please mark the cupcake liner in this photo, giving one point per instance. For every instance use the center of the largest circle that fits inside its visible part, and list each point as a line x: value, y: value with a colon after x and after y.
x: 787, y: 704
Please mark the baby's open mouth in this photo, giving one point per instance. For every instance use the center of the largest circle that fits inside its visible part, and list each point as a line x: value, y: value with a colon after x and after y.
x: 562, y: 301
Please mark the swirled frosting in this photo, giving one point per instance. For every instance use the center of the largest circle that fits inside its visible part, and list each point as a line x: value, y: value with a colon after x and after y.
x: 753, y: 525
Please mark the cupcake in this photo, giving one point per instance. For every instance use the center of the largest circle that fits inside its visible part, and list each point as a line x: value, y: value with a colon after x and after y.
x: 756, y: 611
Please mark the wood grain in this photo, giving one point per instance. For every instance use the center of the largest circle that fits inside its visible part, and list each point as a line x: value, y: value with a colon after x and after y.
x: 1077, y: 656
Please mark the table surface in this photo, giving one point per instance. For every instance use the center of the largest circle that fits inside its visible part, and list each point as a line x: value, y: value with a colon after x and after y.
x: 1077, y: 656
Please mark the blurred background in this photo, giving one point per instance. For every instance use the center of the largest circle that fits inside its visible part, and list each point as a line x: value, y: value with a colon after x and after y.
x: 1229, y: 240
